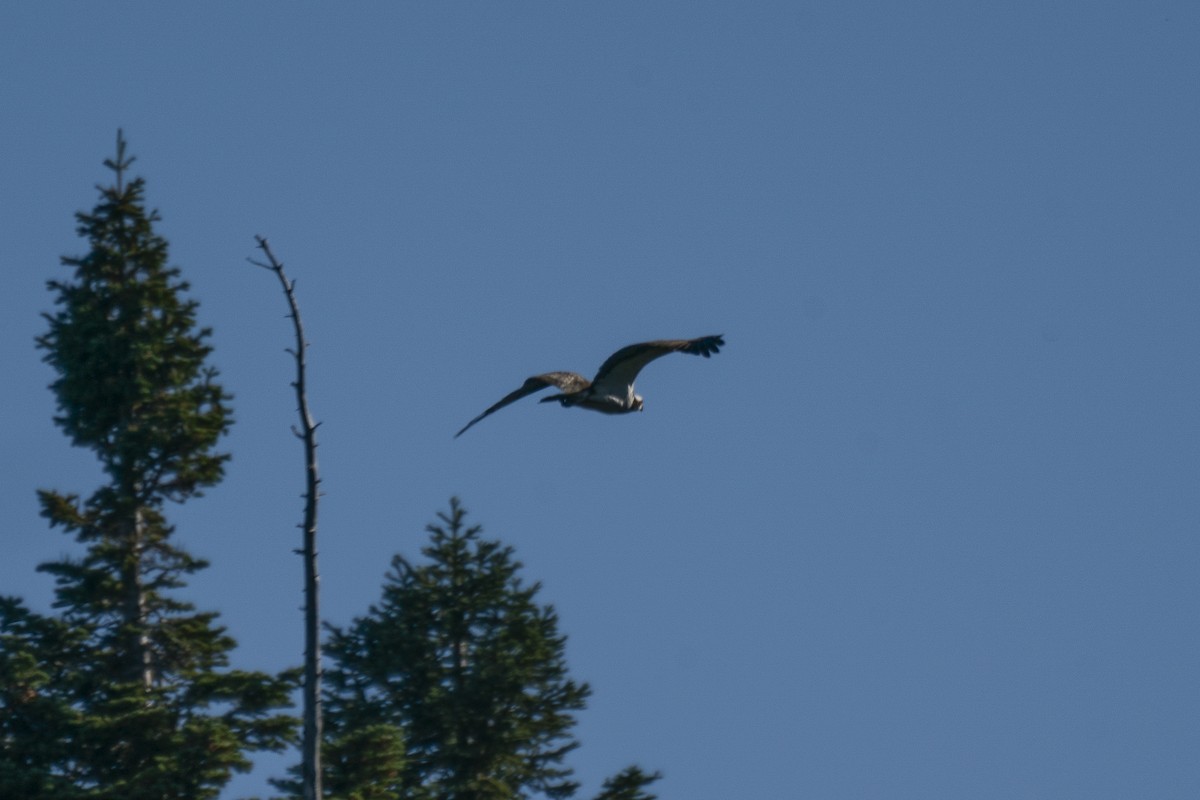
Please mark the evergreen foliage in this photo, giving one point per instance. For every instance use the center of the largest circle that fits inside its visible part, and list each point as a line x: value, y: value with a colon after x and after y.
x: 37, y: 718
x: 628, y: 784
x: 134, y: 680
x: 460, y: 664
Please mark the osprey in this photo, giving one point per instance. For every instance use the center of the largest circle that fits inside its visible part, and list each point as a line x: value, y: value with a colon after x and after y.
x: 611, y: 391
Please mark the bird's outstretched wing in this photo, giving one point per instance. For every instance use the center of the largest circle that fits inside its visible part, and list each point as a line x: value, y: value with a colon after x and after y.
x: 566, y: 381
x: 623, y: 366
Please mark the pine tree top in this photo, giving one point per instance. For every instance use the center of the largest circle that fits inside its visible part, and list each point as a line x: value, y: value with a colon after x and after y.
x: 132, y: 380
x: 145, y: 704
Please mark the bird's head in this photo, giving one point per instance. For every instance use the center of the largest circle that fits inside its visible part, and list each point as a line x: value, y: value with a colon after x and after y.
x: 638, y: 405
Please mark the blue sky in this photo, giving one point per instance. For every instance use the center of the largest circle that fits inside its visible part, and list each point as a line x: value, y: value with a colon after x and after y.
x: 926, y: 528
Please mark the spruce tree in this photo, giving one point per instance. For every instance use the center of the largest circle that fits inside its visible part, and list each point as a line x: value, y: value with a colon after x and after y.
x: 159, y: 712
x: 460, y: 660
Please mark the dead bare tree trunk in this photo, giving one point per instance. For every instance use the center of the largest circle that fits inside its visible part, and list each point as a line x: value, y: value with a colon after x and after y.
x: 307, y: 432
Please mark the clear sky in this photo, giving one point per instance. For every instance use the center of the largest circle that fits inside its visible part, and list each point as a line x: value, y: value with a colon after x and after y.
x: 926, y: 528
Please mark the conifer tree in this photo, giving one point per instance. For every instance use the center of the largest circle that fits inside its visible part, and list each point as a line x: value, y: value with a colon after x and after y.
x: 460, y: 660
x: 159, y: 712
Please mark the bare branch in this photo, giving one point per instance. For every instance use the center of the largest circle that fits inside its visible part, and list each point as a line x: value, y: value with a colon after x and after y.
x: 307, y: 432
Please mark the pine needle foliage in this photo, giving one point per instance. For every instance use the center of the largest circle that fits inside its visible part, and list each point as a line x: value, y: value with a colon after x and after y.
x: 629, y: 784
x: 145, y: 704
x: 37, y: 718
x: 460, y: 657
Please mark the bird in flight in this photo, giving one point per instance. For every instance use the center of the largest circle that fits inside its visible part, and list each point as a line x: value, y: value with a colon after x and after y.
x: 611, y: 391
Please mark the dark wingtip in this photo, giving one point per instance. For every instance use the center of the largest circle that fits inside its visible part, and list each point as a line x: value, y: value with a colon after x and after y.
x: 712, y: 344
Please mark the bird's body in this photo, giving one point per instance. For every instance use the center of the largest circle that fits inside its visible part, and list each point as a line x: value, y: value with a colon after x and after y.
x: 611, y: 391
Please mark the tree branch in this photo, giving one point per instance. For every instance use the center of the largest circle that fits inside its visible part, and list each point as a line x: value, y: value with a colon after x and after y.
x: 307, y: 432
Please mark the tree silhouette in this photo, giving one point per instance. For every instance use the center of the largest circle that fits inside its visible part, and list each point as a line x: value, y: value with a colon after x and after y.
x: 144, y: 695
x: 460, y: 663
